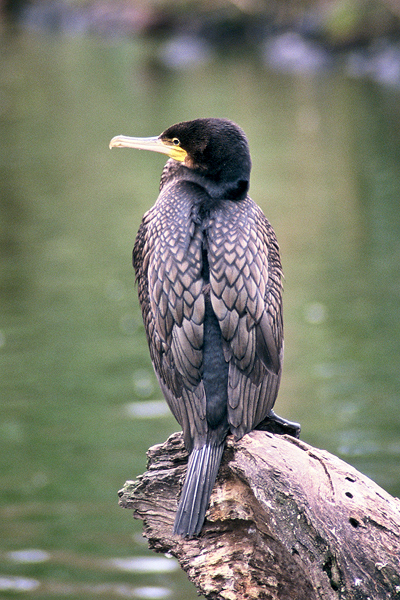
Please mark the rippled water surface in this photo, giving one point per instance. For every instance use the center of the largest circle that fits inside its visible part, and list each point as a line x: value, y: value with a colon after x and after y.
x: 79, y: 402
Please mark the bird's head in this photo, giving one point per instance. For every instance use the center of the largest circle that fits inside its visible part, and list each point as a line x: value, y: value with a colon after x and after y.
x: 216, y: 149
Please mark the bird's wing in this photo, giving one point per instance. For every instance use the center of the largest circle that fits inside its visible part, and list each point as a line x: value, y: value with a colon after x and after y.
x: 245, y: 279
x: 168, y: 259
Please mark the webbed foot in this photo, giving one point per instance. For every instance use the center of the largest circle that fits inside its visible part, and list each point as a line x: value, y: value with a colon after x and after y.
x: 275, y: 424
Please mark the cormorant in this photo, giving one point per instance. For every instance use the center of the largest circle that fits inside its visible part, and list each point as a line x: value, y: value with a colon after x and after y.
x: 209, y: 281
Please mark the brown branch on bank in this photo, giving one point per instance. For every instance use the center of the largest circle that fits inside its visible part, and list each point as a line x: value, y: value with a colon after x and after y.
x: 286, y: 522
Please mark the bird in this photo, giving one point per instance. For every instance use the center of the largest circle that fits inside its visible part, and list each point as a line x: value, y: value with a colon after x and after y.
x: 209, y: 279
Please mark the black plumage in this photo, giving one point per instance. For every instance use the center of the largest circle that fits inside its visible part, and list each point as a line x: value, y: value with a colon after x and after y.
x: 209, y: 279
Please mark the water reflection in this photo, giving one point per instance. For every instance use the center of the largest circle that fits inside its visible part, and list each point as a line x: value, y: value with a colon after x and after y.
x: 79, y: 395
x: 146, y: 410
x: 18, y: 584
x: 139, y: 564
x: 135, y: 565
x: 107, y: 590
x: 28, y: 556
x: 143, y: 383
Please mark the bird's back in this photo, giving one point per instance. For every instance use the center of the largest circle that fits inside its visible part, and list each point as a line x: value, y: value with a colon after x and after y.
x: 197, y: 259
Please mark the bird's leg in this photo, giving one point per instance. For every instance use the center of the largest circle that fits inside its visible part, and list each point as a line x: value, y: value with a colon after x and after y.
x: 275, y: 424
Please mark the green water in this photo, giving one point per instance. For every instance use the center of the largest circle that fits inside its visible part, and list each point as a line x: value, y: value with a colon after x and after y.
x: 73, y: 356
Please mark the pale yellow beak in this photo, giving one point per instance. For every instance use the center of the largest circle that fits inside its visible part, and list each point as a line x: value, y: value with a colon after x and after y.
x: 155, y: 144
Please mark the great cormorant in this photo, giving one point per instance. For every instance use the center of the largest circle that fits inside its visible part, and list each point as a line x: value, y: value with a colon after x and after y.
x: 209, y: 279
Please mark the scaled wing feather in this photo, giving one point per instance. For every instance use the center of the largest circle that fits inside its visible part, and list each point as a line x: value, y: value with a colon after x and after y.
x: 246, y: 297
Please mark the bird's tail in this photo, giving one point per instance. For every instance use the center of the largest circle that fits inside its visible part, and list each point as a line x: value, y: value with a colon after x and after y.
x: 201, y: 474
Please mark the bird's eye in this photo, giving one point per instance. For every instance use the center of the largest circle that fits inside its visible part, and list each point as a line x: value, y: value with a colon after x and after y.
x: 175, y: 141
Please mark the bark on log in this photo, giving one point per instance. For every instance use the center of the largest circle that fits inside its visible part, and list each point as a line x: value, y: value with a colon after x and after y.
x: 286, y: 521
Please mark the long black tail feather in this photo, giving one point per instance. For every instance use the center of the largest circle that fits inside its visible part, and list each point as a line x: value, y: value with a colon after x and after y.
x: 201, y: 474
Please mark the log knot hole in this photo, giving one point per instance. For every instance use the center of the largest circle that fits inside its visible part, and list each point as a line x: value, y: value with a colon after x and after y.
x: 331, y: 568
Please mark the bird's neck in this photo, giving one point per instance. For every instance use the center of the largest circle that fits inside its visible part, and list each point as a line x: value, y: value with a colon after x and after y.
x: 234, y: 189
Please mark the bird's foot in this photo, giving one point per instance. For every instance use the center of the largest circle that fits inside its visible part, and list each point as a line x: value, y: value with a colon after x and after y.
x: 275, y: 424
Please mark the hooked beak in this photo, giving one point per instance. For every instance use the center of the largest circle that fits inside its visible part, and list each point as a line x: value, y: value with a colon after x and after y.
x: 155, y: 144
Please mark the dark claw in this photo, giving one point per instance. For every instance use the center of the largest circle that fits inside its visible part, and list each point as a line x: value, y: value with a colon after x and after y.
x: 275, y: 424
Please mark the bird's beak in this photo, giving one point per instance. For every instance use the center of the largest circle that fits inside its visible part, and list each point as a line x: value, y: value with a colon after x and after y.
x: 156, y: 144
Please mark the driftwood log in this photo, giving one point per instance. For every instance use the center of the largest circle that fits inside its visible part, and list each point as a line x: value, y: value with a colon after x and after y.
x: 286, y: 521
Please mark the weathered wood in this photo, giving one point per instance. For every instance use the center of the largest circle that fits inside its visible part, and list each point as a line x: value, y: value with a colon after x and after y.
x: 286, y: 521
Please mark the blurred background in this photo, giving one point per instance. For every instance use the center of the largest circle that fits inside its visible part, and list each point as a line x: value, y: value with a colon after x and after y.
x: 316, y: 87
